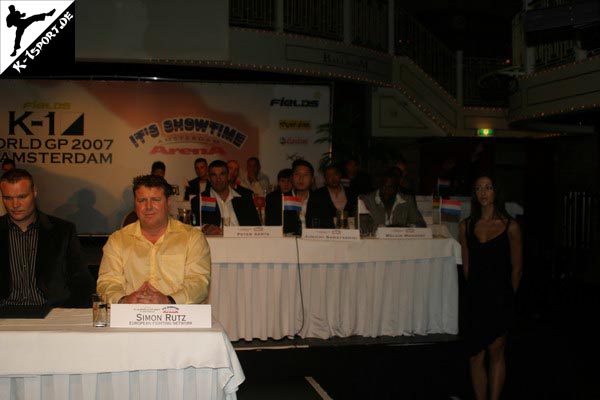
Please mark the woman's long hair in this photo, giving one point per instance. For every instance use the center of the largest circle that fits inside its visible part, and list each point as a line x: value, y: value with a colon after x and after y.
x: 499, y: 206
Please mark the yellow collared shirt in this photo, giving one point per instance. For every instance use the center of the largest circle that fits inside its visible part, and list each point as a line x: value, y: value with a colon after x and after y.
x: 178, y: 264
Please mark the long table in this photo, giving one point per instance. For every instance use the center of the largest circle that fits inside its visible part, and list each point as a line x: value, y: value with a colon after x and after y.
x: 64, y: 357
x: 274, y: 288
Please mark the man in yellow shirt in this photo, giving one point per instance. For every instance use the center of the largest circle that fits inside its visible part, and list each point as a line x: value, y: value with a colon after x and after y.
x: 157, y: 259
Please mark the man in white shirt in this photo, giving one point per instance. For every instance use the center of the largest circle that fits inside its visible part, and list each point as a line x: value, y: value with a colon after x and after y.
x: 222, y: 204
x: 254, y: 179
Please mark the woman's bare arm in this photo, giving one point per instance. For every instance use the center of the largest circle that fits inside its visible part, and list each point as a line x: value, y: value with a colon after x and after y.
x: 516, y: 253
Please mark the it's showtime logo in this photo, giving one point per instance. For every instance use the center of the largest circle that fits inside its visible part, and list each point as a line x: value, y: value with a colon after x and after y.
x: 37, y: 37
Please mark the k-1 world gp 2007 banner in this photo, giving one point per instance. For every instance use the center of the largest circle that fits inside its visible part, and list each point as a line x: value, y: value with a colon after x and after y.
x: 84, y: 141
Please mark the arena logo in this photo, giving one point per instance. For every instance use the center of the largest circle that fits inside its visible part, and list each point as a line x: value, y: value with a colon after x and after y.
x: 301, y: 103
x: 293, y: 140
x: 34, y: 34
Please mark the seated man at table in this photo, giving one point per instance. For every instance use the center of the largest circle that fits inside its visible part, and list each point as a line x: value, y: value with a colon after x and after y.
x: 390, y: 208
x: 254, y: 179
x: 198, y: 184
x: 324, y: 202
x: 157, y: 259
x: 221, y: 201
x: 41, y: 262
x: 295, y: 202
x: 234, y: 179
x: 284, y: 183
x: 355, y: 178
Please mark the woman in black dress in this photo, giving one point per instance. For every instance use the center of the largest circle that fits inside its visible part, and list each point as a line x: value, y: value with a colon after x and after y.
x: 492, y: 261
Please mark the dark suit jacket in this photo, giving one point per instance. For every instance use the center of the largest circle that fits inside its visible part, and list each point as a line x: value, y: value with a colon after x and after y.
x: 291, y: 219
x: 321, y: 207
x: 245, y: 192
x: 243, y: 206
x: 361, y: 184
x: 59, y: 269
x: 192, y: 189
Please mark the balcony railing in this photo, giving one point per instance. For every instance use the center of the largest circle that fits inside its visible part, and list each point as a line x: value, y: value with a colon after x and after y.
x: 368, y: 27
x: 414, y: 41
x: 490, y: 91
x: 322, y: 18
x: 258, y: 14
x: 555, y: 53
x: 370, y: 24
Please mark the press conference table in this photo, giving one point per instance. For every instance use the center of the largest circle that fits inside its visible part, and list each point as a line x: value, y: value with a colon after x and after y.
x: 279, y: 287
x: 64, y: 357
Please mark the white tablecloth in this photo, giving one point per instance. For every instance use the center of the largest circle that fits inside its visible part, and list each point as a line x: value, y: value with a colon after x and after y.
x: 368, y: 287
x: 64, y: 357
x: 254, y: 286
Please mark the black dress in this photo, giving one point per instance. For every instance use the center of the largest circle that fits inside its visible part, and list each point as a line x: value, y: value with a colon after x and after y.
x: 490, y: 296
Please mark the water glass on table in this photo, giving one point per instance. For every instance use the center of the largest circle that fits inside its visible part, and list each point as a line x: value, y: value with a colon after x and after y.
x: 365, y: 224
x: 99, y: 311
x: 340, y: 220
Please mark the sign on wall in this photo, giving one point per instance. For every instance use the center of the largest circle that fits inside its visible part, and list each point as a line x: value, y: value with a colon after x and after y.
x: 84, y: 141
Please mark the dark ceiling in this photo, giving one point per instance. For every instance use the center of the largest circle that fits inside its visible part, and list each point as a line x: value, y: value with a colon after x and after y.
x: 479, y: 28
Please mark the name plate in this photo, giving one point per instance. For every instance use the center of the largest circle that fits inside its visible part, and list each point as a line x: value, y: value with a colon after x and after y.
x: 403, y: 233
x: 331, y: 234
x: 252, y: 231
x: 172, y: 316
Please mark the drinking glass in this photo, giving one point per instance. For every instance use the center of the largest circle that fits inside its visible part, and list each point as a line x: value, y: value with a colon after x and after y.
x: 100, y: 311
x: 366, y: 225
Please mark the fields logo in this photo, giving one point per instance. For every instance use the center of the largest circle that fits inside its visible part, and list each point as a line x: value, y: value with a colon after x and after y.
x: 37, y: 37
x: 301, y: 103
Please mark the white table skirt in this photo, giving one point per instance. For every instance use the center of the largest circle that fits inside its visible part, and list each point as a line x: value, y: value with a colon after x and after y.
x: 254, y: 286
x: 369, y: 288
x: 64, y: 357
x: 384, y: 298
x: 184, y: 384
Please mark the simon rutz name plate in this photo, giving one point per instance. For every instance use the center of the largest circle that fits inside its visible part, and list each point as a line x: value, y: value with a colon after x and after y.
x: 403, y: 233
x: 252, y: 231
x: 172, y: 316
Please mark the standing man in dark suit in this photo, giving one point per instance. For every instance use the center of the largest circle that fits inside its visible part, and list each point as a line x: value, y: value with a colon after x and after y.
x: 222, y: 201
x: 40, y: 255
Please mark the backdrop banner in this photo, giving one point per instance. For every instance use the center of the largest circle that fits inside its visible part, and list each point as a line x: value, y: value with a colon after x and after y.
x: 84, y: 141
